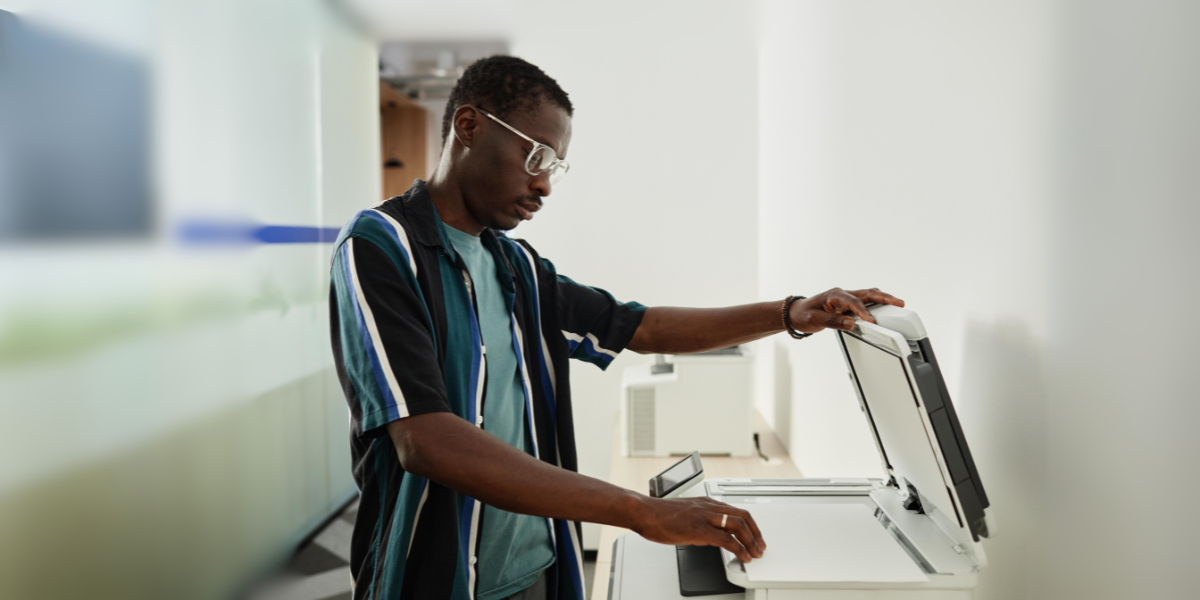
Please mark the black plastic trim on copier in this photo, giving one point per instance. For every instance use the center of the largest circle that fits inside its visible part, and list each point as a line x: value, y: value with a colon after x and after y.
x: 702, y: 572
x: 950, y: 436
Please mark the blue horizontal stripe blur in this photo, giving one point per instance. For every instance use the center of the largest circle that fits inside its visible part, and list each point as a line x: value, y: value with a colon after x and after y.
x: 216, y: 233
x: 280, y: 234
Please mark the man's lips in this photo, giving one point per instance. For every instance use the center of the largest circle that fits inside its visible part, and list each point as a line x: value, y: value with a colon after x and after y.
x: 526, y: 209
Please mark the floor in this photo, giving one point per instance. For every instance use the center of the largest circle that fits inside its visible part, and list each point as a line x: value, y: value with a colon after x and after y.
x: 320, y: 569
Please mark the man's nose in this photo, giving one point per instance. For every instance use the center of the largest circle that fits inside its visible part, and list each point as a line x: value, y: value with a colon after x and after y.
x: 540, y: 184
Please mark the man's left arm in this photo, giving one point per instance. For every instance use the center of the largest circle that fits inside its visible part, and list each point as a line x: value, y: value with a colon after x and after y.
x: 674, y: 330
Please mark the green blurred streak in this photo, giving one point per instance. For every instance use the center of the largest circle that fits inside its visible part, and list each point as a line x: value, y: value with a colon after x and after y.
x: 31, y: 334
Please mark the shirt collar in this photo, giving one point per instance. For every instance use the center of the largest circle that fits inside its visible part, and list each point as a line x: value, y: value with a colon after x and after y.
x: 428, y: 227
x: 431, y: 231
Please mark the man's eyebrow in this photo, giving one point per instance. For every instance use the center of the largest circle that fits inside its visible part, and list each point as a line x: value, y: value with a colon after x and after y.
x: 545, y: 141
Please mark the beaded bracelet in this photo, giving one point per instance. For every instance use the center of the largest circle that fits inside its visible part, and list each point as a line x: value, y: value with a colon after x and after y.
x: 787, y: 321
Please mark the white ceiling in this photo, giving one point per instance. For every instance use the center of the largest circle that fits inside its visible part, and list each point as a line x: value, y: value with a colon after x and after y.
x: 435, y: 20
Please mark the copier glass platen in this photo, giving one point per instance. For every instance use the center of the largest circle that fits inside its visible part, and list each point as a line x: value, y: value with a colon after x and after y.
x: 916, y: 534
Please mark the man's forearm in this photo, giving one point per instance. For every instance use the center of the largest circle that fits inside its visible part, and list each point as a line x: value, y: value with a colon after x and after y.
x: 673, y: 330
x: 444, y: 448
x: 670, y: 330
x: 454, y: 453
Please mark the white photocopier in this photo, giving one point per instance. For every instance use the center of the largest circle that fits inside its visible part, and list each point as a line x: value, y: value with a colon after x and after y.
x: 915, y: 535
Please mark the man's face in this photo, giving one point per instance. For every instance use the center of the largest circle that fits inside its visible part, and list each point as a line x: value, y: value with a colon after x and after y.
x: 497, y: 190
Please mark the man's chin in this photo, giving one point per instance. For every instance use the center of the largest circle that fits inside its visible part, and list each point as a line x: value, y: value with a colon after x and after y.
x: 506, y: 223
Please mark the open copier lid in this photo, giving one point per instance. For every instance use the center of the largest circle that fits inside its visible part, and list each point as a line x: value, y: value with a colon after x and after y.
x: 900, y: 387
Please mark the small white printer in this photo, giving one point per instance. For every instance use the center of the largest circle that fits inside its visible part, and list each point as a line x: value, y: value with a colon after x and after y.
x: 691, y: 403
x: 915, y: 535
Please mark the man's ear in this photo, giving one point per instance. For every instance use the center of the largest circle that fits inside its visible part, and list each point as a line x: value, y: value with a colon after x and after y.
x: 466, y: 124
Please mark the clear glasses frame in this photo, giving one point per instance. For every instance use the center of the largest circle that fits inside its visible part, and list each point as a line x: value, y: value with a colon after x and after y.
x: 541, y: 159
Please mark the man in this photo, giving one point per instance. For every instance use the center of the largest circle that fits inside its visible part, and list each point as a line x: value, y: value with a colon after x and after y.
x: 451, y: 342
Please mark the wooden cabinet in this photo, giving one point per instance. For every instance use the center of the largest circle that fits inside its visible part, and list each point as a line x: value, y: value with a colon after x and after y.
x: 403, y: 126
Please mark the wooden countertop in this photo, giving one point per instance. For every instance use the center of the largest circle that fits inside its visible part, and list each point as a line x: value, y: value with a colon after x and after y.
x: 635, y: 473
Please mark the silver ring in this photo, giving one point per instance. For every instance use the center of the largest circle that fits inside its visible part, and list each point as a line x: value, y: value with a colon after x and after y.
x: 723, y: 518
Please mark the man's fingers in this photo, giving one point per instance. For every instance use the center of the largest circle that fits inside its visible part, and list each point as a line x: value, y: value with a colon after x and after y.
x: 748, y: 519
x: 738, y: 527
x: 733, y: 529
x: 831, y: 320
x: 850, y: 303
x: 758, y: 538
x: 730, y: 543
x: 878, y: 297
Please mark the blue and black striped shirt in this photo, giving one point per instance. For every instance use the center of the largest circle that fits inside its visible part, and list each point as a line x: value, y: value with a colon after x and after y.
x: 406, y: 341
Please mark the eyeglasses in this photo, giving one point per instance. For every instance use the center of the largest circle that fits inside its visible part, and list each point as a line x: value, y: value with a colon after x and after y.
x: 541, y: 159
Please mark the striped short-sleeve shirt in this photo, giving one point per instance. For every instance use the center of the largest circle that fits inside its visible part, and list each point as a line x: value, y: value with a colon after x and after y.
x: 406, y: 341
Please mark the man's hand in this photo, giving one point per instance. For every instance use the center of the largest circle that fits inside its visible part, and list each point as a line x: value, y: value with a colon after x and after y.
x: 836, y: 309
x: 697, y: 522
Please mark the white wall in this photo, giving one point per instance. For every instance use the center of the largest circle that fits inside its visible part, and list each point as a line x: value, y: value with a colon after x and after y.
x: 904, y: 146
x: 1125, y: 275
x: 660, y: 203
x: 1024, y: 175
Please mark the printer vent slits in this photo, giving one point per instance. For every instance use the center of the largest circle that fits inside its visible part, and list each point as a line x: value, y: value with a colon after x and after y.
x: 641, y: 421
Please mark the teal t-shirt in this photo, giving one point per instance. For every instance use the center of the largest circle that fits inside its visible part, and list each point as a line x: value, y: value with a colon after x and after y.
x: 513, y: 549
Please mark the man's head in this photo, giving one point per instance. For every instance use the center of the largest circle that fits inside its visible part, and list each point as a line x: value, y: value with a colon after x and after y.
x: 487, y: 160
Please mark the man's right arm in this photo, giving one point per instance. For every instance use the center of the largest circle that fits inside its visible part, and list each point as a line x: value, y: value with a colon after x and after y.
x: 389, y: 358
x: 452, y: 452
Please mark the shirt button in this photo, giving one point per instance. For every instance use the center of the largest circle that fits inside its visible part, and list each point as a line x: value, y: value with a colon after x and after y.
x: 479, y: 420
x: 473, y: 560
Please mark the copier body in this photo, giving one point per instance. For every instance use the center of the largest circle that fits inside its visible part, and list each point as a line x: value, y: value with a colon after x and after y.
x: 931, y: 504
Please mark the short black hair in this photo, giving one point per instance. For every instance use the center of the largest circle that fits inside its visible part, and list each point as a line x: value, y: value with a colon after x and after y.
x: 503, y: 85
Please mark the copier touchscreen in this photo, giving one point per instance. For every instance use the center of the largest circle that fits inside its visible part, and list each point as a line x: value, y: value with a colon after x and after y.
x: 678, y: 477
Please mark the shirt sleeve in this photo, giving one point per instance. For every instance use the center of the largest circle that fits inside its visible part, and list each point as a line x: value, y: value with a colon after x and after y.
x: 384, y: 339
x: 597, y: 325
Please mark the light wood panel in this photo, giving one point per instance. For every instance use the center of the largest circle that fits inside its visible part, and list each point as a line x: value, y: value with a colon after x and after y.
x: 634, y: 473
x: 402, y: 124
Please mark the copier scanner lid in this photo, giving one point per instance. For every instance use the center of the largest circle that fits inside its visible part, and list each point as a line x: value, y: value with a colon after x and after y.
x: 897, y: 379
